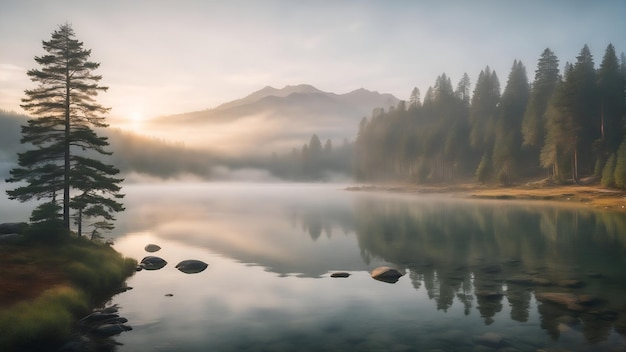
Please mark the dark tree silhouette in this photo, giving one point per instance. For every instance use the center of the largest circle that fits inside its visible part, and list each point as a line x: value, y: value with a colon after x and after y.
x: 65, y: 113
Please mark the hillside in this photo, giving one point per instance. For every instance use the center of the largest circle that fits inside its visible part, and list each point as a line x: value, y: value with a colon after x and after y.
x: 272, y: 120
x: 290, y: 102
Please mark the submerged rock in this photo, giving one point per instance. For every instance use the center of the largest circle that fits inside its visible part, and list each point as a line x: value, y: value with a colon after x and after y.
x: 151, y: 248
x: 191, y: 266
x: 340, y: 274
x: 152, y: 263
x: 386, y: 274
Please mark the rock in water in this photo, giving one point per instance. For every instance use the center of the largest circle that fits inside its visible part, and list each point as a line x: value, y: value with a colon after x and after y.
x: 151, y: 248
x: 386, y: 274
x: 152, y: 263
x: 191, y: 266
x: 340, y: 274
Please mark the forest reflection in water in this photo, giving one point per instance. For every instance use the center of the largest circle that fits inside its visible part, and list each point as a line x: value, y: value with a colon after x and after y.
x: 518, y: 268
x: 480, y: 253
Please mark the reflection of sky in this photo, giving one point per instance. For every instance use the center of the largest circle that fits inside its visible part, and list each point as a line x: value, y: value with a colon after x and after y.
x: 270, y: 249
x: 230, y: 304
x: 287, y: 229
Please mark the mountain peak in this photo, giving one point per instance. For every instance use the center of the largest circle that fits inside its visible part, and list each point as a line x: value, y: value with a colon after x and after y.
x: 300, y: 88
x: 269, y: 91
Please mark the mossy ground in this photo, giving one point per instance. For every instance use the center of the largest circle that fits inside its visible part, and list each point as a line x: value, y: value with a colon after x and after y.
x: 45, y: 288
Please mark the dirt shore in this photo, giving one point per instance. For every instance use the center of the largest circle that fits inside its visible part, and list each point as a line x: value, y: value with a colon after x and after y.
x: 587, y: 195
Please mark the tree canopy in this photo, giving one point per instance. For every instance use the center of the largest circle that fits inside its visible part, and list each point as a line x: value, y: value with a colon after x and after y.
x: 62, y: 132
x: 568, y: 124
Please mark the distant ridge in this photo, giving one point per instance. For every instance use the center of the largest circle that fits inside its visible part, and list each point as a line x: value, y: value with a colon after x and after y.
x: 274, y: 120
x: 268, y: 100
x: 271, y: 91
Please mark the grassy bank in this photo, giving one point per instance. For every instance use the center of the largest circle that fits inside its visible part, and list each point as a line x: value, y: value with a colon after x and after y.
x: 45, y: 288
x: 589, y: 195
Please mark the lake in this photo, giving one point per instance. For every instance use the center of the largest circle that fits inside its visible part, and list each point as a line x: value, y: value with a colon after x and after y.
x: 479, y: 275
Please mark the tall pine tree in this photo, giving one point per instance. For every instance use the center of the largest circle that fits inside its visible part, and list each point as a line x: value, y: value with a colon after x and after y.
x: 612, y: 102
x: 65, y: 112
x: 508, y: 136
x: 546, y: 79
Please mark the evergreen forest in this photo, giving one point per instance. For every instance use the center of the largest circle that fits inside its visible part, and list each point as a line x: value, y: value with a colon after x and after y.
x: 565, y: 126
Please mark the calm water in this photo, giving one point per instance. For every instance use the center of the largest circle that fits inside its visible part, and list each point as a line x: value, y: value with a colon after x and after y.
x: 474, y: 270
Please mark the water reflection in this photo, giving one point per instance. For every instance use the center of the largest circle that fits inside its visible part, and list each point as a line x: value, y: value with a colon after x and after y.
x: 506, y: 250
x: 473, y: 268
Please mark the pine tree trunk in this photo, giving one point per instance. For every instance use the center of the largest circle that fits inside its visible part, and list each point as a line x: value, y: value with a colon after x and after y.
x: 575, y: 165
x: 80, y: 222
x: 602, y: 120
x: 66, y: 167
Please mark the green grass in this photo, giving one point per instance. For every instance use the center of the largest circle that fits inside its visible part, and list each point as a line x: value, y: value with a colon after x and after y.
x: 93, y: 271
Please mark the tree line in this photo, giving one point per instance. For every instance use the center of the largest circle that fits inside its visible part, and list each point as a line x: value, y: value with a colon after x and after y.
x: 565, y: 126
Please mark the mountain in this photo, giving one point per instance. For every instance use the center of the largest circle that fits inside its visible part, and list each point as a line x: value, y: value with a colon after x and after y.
x: 276, y: 119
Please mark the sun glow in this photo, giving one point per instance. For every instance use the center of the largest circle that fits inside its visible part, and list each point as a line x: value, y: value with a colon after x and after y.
x: 136, y: 117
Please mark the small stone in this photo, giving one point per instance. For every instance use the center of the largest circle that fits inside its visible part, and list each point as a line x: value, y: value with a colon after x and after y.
x: 152, y: 263
x: 169, y: 295
x: 386, y: 274
x: 191, y: 266
x: 152, y: 248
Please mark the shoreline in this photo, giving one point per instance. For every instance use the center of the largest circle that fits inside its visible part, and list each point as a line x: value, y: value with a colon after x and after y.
x: 47, y: 287
x: 585, y: 195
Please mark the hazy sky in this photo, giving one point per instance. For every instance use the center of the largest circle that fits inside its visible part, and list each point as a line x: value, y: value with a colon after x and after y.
x: 163, y: 57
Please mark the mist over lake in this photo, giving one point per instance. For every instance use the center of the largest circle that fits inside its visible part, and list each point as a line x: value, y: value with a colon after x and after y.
x: 313, y: 176
x: 473, y: 271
